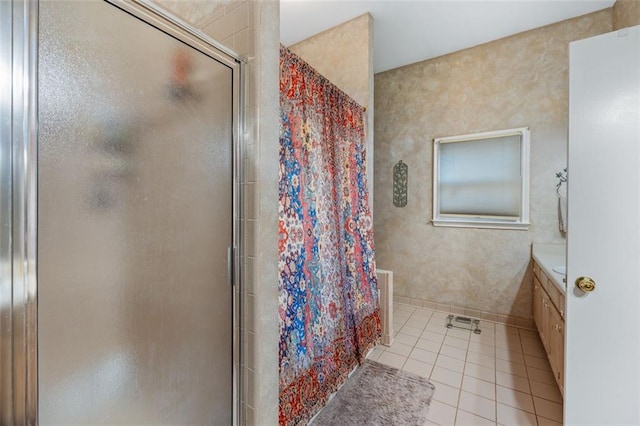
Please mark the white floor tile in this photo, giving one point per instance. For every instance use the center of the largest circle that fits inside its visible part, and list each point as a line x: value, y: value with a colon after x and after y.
x: 405, y: 339
x: 532, y: 334
x: 543, y: 390
x: 506, y: 338
x: 445, y: 393
x: 482, y: 349
x: 392, y: 360
x: 511, y: 368
x: 534, y: 350
x: 479, y: 387
x: 436, y: 328
x: 535, y: 362
x: 428, y: 345
x: 447, y: 377
x: 375, y: 353
x: 449, y: 363
x: 548, y: 409
x: 487, y: 327
x: 501, y: 375
x: 457, y: 332
x: 514, y: 398
x: 512, y: 382
x: 543, y: 376
x: 467, y: 419
x: 509, y: 416
x: 441, y: 414
x: 456, y: 342
x: 547, y: 422
x: 508, y: 355
x: 417, y: 322
x: 506, y: 329
x: 509, y: 345
x: 531, y: 342
x: 411, y: 331
x: 481, y: 359
x: 417, y: 367
x: 480, y: 372
x: 477, y: 405
x: 424, y: 356
x: 485, y: 339
x: 422, y: 315
x: 400, y: 348
x: 432, y: 336
x: 453, y: 352
x: 397, y: 314
x: 398, y: 324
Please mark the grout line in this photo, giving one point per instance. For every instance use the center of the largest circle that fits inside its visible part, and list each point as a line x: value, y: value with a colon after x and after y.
x: 495, y: 374
x: 435, y: 320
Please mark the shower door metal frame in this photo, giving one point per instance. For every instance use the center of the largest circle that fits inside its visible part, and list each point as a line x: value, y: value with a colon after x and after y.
x: 18, y: 194
x: 18, y: 238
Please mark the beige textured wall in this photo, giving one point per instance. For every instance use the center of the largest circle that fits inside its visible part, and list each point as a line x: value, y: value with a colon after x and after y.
x: 251, y: 28
x: 626, y: 13
x: 518, y: 81
x: 344, y: 55
x: 341, y: 54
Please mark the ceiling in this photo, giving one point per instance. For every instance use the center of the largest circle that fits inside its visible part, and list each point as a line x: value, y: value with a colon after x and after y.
x: 408, y: 31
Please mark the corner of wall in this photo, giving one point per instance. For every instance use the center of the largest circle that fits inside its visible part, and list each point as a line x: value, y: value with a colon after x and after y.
x: 264, y: 383
x: 626, y: 13
x: 370, y: 111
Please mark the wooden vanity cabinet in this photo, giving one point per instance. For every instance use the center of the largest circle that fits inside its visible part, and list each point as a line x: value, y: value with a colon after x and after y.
x: 548, y: 314
x: 556, y: 346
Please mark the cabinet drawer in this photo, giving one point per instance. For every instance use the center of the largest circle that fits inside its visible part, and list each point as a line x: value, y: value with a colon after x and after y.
x: 536, y: 270
x: 555, y: 295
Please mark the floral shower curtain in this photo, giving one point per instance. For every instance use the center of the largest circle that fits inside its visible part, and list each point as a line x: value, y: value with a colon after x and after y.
x: 328, y: 297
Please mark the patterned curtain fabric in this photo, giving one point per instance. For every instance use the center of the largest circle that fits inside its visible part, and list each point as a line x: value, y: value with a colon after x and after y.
x: 328, y: 296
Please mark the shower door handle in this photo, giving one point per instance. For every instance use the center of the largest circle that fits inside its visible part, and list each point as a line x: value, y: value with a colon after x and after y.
x: 230, y: 265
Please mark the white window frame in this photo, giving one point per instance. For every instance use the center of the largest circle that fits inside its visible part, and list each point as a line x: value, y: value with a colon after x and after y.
x: 481, y: 221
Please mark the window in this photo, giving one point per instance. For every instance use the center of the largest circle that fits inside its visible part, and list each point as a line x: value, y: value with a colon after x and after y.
x: 482, y: 180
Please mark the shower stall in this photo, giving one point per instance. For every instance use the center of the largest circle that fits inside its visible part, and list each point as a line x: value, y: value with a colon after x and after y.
x: 119, y: 217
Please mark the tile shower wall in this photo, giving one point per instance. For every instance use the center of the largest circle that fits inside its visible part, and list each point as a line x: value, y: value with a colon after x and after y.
x: 626, y: 13
x: 251, y: 28
x: 517, y: 81
x: 344, y: 55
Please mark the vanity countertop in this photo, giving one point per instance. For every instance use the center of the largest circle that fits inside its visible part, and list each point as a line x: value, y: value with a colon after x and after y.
x: 549, y: 256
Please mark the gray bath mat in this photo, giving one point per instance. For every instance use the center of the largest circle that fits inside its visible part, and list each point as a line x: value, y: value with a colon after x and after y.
x: 377, y: 394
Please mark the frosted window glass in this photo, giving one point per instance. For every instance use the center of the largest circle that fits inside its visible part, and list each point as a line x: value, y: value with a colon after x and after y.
x: 481, y: 177
x: 482, y: 180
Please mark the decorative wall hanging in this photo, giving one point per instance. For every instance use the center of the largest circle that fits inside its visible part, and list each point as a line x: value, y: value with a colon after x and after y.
x: 400, y: 180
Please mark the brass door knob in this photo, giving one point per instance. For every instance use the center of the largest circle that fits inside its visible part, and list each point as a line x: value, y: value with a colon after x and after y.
x: 585, y: 284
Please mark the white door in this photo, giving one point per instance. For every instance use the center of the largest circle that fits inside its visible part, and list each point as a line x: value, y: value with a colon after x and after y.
x: 603, y: 326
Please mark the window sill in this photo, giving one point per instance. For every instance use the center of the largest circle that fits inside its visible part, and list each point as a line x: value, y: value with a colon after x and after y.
x: 482, y: 224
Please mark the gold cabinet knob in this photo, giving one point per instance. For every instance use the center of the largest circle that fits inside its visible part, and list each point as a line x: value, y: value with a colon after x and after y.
x: 586, y: 284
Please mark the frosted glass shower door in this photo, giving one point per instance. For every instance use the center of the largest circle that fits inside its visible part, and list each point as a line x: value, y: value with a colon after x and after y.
x: 135, y: 213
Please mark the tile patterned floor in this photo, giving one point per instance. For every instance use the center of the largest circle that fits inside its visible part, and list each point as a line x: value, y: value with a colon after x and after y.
x: 498, y: 377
